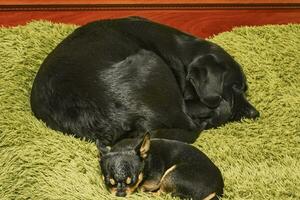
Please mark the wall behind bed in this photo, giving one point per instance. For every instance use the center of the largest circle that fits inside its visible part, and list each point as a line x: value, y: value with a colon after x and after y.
x: 202, y: 18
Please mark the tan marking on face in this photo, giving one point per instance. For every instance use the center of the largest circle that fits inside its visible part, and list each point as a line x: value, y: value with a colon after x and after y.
x: 103, y: 178
x: 212, y: 195
x: 128, y: 180
x: 113, y: 191
x: 112, y: 181
x: 131, y: 189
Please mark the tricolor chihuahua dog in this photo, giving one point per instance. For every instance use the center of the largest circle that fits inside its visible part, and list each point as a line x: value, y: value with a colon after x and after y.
x: 161, y: 166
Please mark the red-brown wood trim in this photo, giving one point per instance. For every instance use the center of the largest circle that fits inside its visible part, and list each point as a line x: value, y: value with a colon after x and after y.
x: 92, y: 2
x: 32, y: 5
x: 203, y: 23
x: 144, y: 7
x: 203, y: 18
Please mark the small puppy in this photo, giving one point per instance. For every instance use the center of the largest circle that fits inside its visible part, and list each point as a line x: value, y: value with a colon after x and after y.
x: 159, y: 165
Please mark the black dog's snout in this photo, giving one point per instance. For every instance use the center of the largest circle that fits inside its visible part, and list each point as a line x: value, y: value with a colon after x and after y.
x: 247, y: 111
x: 252, y: 113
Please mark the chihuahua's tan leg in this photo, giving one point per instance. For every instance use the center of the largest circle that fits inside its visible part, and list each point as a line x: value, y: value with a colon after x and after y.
x: 167, y: 172
x: 151, y: 185
x: 173, y: 182
x: 155, y: 184
x: 167, y: 184
x: 209, y: 197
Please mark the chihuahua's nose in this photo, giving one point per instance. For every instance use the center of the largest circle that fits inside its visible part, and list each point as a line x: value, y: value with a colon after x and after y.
x: 121, y: 194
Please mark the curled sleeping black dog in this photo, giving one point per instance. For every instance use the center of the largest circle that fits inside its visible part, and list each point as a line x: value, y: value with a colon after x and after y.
x: 160, y: 165
x: 113, y: 79
x: 113, y: 101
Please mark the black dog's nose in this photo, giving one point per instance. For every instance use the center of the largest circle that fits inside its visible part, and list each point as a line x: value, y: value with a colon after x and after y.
x: 121, y: 194
x: 252, y: 113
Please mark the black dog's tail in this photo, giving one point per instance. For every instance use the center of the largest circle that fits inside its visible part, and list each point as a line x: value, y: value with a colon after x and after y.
x: 187, y: 136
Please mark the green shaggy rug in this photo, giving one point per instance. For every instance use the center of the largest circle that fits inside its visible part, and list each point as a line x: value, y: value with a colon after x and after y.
x: 259, y: 159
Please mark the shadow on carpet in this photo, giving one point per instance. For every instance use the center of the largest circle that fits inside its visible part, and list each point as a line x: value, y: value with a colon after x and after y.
x: 259, y: 159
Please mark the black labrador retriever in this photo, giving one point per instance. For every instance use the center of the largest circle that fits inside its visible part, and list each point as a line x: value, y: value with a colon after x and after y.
x: 113, y: 79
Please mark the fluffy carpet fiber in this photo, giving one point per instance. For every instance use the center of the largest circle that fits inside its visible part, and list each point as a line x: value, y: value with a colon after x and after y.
x: 259, y: 159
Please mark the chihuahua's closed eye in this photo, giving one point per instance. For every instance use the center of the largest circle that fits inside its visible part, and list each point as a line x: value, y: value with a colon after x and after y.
x: 167, y: 166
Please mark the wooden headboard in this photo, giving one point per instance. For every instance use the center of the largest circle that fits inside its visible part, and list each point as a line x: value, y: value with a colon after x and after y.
x: 203, y: 18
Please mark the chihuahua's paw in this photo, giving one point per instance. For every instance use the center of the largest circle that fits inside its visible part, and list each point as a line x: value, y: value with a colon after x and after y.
x: 150, y: 186
x: 157, y: 193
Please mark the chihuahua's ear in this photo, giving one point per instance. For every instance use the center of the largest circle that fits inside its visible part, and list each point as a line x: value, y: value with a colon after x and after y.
x: 102, y: 149
x: 143, y: 147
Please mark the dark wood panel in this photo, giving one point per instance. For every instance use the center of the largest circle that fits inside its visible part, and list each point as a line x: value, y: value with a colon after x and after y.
x: 144, y: 4
x: 43, y: 2
x: 203, y: 23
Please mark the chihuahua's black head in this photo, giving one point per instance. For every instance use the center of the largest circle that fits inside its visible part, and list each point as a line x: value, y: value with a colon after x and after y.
x: 122, y: 165
x: 218, y: 81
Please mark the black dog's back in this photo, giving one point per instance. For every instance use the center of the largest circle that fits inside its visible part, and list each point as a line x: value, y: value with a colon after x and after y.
x: 106, y: 95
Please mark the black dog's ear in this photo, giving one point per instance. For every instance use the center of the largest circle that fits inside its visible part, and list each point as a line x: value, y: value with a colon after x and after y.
x: 206, y: 76
x: 102, y: 149
x: 189, y: 92
x: 143, y: 147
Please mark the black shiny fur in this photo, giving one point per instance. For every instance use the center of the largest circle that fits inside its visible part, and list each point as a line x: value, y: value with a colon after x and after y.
x: 193, y: 174
x: 113, y: 79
